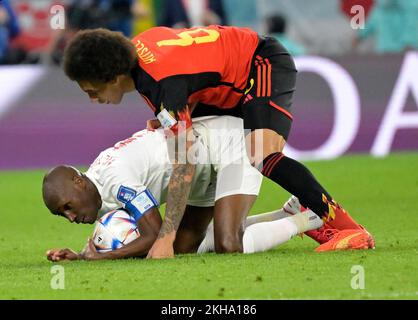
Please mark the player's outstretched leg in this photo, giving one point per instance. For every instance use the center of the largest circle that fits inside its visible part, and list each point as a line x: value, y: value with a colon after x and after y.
x: 299, y: 181
x: 262, y: 232
x: 330, y: 238
x: 292, y: 207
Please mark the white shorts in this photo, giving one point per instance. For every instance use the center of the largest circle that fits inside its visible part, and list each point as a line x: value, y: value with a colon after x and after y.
x: 233, y: 173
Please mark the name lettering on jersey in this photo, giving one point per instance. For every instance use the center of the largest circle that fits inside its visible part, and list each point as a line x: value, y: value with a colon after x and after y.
x: 123, y: 143
x: 105, y: 160
x: 144, y: 53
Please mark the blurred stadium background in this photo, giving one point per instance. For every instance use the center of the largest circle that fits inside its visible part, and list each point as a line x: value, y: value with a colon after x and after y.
x: 357, y: 88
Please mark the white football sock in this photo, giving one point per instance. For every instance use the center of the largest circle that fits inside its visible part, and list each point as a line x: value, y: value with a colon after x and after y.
x: 306, y: 221
x: 267, y: 235
x: 266, y: 217
x: 208, y: 243
x: 262, y: 233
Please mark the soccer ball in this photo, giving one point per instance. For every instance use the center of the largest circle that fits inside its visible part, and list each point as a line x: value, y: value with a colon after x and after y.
x: 114, y: 230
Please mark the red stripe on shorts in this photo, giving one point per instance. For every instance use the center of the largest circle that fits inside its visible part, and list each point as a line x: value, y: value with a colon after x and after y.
x: 286, y: 113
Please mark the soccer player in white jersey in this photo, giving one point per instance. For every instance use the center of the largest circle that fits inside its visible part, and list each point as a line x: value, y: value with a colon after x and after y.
x: 134, y: 175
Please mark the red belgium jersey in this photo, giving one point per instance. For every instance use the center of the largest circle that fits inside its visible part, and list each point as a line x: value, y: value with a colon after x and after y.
x: 208, y: 65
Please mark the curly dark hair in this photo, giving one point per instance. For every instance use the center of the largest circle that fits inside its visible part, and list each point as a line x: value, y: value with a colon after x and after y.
x: 98, y: 55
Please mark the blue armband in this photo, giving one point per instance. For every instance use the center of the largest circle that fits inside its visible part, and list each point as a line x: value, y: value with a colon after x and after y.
x: 140, y: 204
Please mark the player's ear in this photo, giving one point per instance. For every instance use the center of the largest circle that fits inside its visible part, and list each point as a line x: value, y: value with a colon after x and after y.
x: 79, y: 181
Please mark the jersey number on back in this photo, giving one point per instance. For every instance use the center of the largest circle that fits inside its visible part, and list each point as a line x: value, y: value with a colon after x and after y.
x: 187, y: 38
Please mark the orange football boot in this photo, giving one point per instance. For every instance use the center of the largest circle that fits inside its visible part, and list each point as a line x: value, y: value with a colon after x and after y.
x: 348, y: 239
x: 327, y: 232
x: 337, y: 217
x: 323, y: 234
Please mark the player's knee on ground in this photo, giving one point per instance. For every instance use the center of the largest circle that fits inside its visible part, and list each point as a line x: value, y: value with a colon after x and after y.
x: 188, y: 241
x: 228, y: 243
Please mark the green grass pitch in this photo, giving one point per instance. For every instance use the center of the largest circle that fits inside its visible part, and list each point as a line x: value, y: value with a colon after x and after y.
x: 381, y: 194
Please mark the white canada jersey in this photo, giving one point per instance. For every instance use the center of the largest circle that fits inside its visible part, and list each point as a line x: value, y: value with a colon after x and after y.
x: 139, y: 167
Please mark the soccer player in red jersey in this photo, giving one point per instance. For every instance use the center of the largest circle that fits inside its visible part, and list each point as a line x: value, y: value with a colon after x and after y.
x: 201, y: 71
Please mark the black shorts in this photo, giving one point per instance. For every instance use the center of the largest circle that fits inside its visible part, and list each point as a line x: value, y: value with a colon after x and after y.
x: 267, y: 101
x: 267, y: 105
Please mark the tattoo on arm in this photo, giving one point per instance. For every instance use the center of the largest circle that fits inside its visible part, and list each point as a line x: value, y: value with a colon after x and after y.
x: 177, y: 195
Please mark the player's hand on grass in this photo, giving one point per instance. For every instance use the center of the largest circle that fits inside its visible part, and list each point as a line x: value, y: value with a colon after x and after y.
x: 153, y: 124
x: 90, y: 253
x: 161, y: 249
x: 55, y: 255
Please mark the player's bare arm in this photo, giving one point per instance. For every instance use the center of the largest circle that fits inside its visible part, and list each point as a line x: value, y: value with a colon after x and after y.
x: 148, y: 225
x: 178, y: 189
x: 178, y: 193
